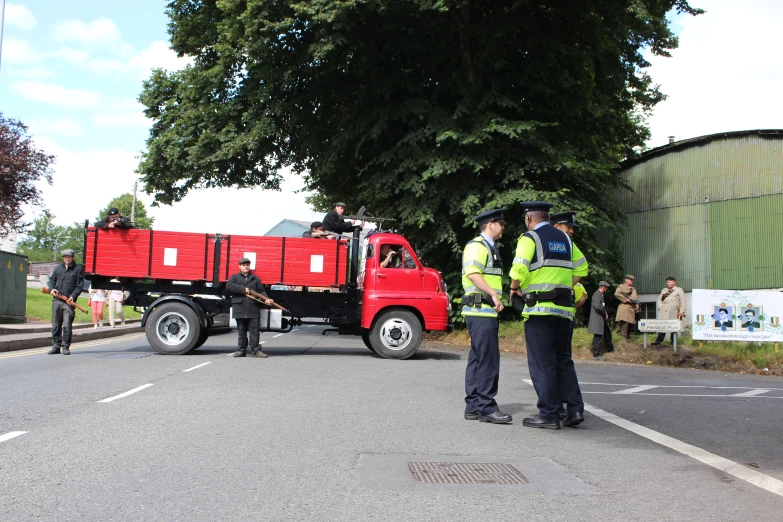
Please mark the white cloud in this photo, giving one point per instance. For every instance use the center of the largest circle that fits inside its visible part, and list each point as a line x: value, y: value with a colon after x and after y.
x: 123, y: 119
x: 727, y: 74
x: 35, y: 73
x: 71, y: 55
x: 65, y: 126
x: 96, y: 32
x: 18, y: 51
x: 56, y: 94
x: 17, y: 15
x: 158, y: 56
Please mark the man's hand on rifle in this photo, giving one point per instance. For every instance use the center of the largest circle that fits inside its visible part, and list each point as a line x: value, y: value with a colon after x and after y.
x: 54, y: 291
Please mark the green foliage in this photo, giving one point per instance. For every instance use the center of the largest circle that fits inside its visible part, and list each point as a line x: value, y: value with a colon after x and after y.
x: 39, y: 306
x: 425, y: 111
x: 45, y: 240
x: 124, y: 203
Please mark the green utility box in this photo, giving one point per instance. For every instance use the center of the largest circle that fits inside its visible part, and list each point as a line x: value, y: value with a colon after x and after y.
x: 13, y: 287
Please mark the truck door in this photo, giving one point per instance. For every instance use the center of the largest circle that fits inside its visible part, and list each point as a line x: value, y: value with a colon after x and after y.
x: 397, y: 273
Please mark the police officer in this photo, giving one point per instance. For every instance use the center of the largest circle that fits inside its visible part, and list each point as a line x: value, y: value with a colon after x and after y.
x: 482, y: 272
x: 66, y: 280
x: 567, y: 223
x: 542, y: 274
x: 246, y: 311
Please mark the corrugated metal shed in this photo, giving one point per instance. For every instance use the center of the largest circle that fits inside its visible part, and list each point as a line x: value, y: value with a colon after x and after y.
x: 289, y: 228
x: 708, y: 211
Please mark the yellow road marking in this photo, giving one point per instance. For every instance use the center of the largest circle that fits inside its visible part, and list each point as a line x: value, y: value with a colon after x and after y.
x: 84, y: 344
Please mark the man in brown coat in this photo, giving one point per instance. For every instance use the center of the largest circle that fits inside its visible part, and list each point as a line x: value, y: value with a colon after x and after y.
x: 629, y: 306
x: 670, y: 305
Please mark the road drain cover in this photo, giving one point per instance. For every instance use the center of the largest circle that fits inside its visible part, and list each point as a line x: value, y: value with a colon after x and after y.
x: 465, y: 473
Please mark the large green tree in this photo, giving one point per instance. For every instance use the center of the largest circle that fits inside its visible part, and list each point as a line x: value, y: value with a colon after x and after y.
x: 44, y: 240
x: 429, y: 111
x: 123, y: 203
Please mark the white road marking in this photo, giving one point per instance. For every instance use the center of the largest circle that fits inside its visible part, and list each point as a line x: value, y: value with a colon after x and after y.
x: 129, y: 392
x: 721, y: 395
x: 751, y: 393
x: 197, y: 366
x: 311, y: 325
x: 677, y: 386
x: 84, y: 344
x: 756, y: 478
x: 10, y: 435
x: 635, y: 390
x: 278, y: 335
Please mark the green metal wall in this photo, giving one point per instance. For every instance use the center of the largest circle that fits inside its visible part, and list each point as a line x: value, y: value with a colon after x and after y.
x: 13, y: 287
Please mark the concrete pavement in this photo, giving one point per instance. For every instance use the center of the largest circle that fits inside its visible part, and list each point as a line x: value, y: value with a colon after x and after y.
x: 37, y: 335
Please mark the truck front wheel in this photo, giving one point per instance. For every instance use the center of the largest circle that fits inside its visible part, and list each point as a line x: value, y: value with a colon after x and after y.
x: 173, y: 329
x: 395, y: 334
x: 366, y: 339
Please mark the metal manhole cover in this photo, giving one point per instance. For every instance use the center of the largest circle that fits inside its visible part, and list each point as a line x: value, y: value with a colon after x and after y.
x: 466, y: 473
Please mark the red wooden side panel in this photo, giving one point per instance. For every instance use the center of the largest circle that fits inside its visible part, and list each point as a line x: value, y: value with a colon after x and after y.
x: 178, y: 255
x: 123, y: 253
x: 264, y: 250
x: 315, y: 262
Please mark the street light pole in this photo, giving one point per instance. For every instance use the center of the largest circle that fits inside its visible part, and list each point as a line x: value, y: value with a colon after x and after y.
x: 133, y: 205
x: 2, y: 25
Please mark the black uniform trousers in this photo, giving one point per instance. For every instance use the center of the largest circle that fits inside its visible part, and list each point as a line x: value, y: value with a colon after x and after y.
x: 605, y: 339
x: 483, y: 371
x: 245, y: 327
x: 551, y: 367
x: 62, y: 323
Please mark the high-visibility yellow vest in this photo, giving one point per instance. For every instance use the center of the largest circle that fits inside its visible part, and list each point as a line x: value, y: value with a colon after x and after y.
x: 479, y: 257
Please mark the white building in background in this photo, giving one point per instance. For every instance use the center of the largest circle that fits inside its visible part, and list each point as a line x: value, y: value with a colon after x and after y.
x: 9, y: 244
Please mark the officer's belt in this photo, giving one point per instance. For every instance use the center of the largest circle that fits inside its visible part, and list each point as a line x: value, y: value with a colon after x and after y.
x: 476, y: 299
x: 558, y: 296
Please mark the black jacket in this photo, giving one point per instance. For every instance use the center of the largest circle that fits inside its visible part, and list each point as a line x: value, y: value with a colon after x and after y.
x: 334, y: 222
x: 242, y: 306
x: 68, y: 280
x: 122, y: 223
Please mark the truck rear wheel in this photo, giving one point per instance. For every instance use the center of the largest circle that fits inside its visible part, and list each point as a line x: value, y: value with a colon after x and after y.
x: 395, y: 334
x: 173, y: 329
x: 202, y: 338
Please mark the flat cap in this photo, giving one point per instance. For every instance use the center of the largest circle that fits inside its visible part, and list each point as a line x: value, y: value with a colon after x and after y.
x: 565, y: 218
x: 244, y: 260
x: 316, y: 224
x: 603, y: 283
x: 490, y: 215
x: 670, y: 278
x: 113, y: 211
x: 629, y: 276
x: 67, y: 252
x: 339, y: 204
x: 536, y: 206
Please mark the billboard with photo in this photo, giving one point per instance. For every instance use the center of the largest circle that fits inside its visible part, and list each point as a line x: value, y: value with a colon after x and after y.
x: 737, y: 315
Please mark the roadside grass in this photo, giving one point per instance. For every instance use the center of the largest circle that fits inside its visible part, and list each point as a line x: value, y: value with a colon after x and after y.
x: 39, y: 308
x: 737, y: 357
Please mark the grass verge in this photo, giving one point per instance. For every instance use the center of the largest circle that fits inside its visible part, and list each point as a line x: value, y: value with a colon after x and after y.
x: 755, y: 358
x: 39, y: 308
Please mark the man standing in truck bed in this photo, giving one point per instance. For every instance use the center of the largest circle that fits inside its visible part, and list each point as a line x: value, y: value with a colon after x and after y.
x: 246, y: 311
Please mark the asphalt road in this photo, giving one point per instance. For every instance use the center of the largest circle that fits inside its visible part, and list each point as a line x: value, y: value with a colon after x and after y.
x: 325, y: 430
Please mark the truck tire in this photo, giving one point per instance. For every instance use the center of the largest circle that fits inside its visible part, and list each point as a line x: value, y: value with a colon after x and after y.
x: 173, y: 329
x: 202, y: 337
x: 395, y: 334
x: 366, y: 339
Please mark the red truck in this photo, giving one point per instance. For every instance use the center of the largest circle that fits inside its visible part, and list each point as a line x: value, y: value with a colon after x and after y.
x: 179, y: 279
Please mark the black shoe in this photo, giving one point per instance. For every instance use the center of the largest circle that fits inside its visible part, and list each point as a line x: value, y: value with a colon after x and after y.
x: 574, y: 419
x: 54, y: 350
x: 240, y: 353
x: 472, y: 415
x: 563, y: 415
x: 495, y: 418
x: 538, y: 422
x: 655, y: 343
x: 610, y: 350
x: 66, y: 351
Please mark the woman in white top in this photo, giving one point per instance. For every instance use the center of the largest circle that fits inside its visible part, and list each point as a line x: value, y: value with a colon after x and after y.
x: 116, y: 298
x: 97, y: 300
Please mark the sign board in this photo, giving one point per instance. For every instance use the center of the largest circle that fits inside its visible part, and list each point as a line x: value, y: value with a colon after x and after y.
x: 660, y: 325
x: 737, y: 315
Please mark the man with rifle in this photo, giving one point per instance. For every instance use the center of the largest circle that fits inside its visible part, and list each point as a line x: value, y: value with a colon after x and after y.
x: 65, y: 282
x: 247, y: 293
x: 113, y: 219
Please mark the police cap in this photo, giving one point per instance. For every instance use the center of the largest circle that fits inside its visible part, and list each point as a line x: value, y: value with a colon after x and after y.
x: 316, y: 224
x: 566, y: 218
x: 114, y: 211
x: 489, y: 216
x: 67, y: 252
x: 244, y: 260
x: 536, y: 206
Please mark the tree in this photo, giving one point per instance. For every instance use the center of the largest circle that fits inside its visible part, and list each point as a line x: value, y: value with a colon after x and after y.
x: 123, y: 203
x: 21, y: 166
x: 429, y: 111
x: 45, y: 240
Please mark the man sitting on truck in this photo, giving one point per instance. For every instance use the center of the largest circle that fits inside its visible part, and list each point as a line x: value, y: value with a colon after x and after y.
x: 317, y: 231
x: 247, y: 293
x: 334, y: 222
x: 113, y: 219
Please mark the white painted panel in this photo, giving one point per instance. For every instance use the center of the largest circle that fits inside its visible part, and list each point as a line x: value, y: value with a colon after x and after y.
x: 252, y: 257
x: 317, y: 264
x: 169, y: 257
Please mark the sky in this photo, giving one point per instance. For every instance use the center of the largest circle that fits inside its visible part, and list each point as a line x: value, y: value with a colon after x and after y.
x: 72, y: 72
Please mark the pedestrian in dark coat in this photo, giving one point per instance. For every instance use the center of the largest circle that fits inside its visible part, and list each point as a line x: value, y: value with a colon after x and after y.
x: 246, y: 311
x: 66, y: 280
x: 599, y: 322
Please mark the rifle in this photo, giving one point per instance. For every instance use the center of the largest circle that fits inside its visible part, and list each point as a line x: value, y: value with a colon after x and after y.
x: 255, y: 296
x: 67, y: 300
